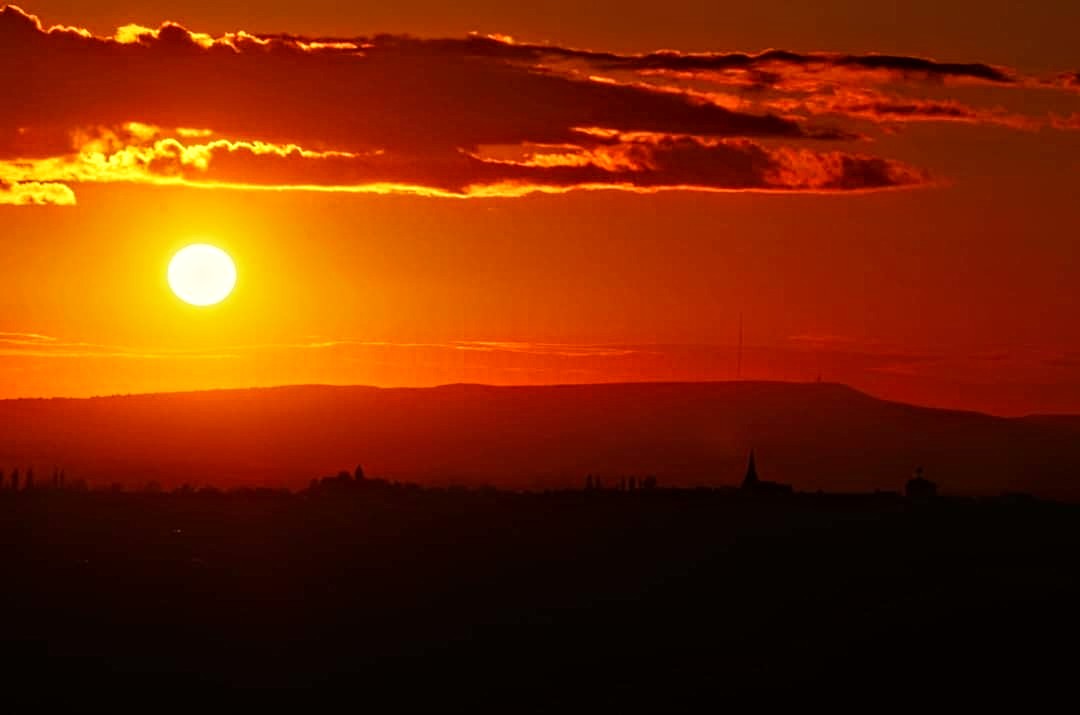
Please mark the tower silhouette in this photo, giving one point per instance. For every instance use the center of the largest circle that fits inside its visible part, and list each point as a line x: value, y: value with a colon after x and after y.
x: 751, y: 478
x: 738, y: 359
x: 754, y: 485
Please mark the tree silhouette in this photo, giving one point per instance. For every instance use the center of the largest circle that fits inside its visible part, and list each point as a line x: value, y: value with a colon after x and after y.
x: 15, y: 480
x: 29, y: 478
x: 358, y: 475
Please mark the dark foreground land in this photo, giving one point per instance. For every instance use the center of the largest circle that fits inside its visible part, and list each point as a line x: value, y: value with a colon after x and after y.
x: 665, y: 601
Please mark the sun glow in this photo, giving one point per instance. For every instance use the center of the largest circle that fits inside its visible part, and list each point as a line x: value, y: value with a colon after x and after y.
x: 201, y: 274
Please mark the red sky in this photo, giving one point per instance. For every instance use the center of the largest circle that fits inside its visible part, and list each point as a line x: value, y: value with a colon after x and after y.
x: 885, y: 192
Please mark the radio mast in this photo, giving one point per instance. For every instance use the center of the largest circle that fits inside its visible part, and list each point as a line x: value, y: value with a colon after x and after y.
x: 738, y: 359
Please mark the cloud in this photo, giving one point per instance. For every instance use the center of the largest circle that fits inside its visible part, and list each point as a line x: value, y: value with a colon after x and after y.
x: 25, y: 338
x: 1064, y: 360
x: 1067, y: 80
x: 643, y: 161
x: 768, y: 67
x: 391, y: 96
x: 35, y: 193
x: 922, y: 110
x: 38, y: 345
x: 872, y: 105
x: 822, y: 340
x: 468, y: 117
x: 556, y: 349
x: 991, y: 356
x: 1069, y: 123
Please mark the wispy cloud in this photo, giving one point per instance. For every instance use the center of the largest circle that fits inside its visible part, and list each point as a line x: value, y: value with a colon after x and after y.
x: 37, y: 345
x: 18, y: 344
x: 561, y: 349
x: 27, y: 337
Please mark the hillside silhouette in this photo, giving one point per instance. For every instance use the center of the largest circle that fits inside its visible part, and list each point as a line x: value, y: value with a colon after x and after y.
x: 813, y: 436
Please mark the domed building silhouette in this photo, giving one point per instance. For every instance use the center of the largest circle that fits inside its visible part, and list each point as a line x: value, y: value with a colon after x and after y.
x: 919, y: 487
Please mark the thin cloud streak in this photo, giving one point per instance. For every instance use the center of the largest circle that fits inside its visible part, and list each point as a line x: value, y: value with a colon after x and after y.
x: 870, y: 354
x: 37, y: 345
x: 15, y: 344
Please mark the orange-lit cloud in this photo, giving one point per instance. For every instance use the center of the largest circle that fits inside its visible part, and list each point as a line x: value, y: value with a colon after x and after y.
x: 873, y: 105
x: 773, y: 66
x: 1071, y: 122
x: 473, y: 117
x: 35, y: 193
x: 638, y: 161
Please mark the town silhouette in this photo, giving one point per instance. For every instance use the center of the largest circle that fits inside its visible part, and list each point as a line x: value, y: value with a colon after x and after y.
x: 618, y: 593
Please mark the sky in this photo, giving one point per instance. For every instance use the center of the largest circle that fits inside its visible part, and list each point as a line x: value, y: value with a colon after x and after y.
x: 419, y: 193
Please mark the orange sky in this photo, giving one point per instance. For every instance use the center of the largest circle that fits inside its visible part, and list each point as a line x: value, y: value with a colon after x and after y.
x: 904, y: 224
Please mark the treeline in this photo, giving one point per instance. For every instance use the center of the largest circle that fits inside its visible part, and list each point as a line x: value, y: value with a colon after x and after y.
x: 342, y: 483
x: 14, y: 481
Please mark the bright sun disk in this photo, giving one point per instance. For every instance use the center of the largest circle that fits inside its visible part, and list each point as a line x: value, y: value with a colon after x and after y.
x: 201, y: 274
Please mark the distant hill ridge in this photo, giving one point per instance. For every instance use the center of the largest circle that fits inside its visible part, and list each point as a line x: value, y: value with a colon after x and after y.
x: 814, y: 435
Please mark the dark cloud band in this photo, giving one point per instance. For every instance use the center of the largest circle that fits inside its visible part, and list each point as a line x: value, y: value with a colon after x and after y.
x: 466, y: 117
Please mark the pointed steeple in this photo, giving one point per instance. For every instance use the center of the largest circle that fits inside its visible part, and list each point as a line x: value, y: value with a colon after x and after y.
x: 751, y: 477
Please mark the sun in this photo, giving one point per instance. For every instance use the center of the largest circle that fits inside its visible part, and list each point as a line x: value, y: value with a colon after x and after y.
x: 201, y: 274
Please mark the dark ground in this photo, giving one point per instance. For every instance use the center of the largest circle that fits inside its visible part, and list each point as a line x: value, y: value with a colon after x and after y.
x: 441, y: 601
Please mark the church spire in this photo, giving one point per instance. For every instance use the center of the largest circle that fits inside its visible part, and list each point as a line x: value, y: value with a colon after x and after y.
x: 751, y: 477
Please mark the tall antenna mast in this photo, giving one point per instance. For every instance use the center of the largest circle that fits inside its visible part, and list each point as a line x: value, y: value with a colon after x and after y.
x: 738, y: 360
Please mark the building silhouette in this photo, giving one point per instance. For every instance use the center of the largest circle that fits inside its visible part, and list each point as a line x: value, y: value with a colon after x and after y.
x: 751, y: 479
x: 919, y: 487
x: 753, y: 484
